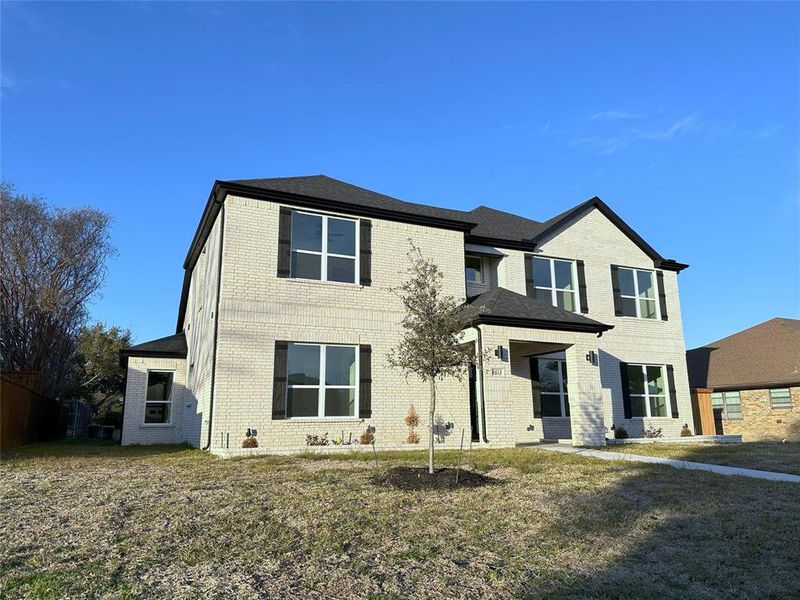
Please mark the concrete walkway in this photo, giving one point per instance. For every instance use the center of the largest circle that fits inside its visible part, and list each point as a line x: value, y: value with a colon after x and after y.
x: 678, y: 464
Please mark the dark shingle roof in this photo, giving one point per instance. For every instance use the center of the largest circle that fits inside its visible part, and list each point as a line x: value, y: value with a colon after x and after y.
x: 322, y: 186
x: 761, y: 356
x: 170, y: 346
x: 501, y: 225
x: 501, y: 306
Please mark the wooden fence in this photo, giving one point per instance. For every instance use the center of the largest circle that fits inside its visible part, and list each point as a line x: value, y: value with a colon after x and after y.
x: 26, y: 416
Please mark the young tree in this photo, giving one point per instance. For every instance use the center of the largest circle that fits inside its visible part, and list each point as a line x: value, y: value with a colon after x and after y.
x: 430, y: 346
x: 99, y: 373
x: 52, y: 262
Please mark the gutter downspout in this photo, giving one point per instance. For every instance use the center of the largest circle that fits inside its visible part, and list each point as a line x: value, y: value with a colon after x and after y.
x: 480, y: 367
x: 216, y: 326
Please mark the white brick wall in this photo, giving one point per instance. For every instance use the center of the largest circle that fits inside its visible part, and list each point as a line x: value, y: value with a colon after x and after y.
x: 134, y: 429
x: 256, y: 308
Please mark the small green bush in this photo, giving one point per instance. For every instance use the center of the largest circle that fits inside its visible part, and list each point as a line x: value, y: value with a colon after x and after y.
x: 620, y: 433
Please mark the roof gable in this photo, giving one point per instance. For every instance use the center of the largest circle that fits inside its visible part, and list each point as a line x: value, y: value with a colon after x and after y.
x: 765, y: 355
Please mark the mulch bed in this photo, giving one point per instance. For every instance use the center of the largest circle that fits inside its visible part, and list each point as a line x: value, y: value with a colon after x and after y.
x: 418, y: 478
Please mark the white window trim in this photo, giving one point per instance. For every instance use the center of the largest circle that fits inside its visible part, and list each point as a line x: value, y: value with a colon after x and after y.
x: 322, y: 386
x: 725, y: 414
x: 482, y: 271
x: 563, y: 393
x: 324, y: 254
x: 553, y: 290
x: 647, y: 395
x: 638, y: 297
x: 780, y: 406
x: 170, y: 401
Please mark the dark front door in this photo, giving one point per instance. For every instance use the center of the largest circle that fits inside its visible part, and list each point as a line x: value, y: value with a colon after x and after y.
x: 473, y: 403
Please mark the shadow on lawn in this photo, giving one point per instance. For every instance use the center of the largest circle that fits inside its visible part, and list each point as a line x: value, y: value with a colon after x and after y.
x: 82, y: 448
x: 664, y: 533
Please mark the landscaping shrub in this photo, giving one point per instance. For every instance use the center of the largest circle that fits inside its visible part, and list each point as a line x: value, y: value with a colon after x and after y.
x: 686, y: 432
x: 413, y: 437
x: 620, y: 433
x: 367, y: 437
x: 652, y: 432
x: 250, y: 442
x: 317, y: 440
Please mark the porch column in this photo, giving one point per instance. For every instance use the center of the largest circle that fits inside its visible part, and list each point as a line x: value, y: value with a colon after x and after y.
x: 585, y: 395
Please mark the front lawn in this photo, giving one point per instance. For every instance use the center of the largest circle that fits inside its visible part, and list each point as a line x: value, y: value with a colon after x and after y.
x: 86, y: 521
x: 765, y: 456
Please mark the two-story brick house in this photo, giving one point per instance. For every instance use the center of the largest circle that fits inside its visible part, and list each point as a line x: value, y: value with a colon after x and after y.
x: 286, y: 317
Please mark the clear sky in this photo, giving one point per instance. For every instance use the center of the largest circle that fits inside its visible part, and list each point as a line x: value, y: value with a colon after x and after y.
x: 684, y: 117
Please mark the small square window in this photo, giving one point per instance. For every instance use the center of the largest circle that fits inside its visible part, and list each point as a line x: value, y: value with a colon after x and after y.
x: 780, y: 398
x: 474, y: 269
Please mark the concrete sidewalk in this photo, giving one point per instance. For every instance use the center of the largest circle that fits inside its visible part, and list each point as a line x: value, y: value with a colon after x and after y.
x: 678, y: 464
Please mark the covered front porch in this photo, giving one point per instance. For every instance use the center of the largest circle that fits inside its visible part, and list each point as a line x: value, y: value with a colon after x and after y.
x: 538, y: 373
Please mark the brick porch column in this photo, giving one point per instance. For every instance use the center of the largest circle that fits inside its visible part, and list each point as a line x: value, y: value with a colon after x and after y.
x: 585, y: 395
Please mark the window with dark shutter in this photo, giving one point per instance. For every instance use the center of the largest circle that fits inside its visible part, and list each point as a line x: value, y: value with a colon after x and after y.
x: 284, y: 241
x: 365, y: 252
x: 365, y: 381
x: 626, y: 392
x: 616, y: 291
x: 662, y: 294
x: 673, y: 394
x: 279, y: 381
x: 582, y: 286
x: 536, y: 388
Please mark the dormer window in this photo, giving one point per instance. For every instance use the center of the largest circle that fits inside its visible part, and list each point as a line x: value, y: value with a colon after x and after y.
x: 474, y: 269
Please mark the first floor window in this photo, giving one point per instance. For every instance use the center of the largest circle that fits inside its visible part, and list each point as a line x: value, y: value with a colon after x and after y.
x: 474, y: 269
x: 728, y: 404
x: 648, y: 392
x: 158, y: 405
x: 780, y: 398
x: 553, y: 387
x: 322, y: 381
x: 323, y: 247
x: 554, y: 282
x: 637, y: 293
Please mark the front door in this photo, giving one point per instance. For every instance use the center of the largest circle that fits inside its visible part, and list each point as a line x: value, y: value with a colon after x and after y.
x: 473, y: 403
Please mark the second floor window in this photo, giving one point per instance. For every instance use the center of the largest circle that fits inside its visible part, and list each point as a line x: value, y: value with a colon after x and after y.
x: 474, y: 269
x: 323, y: 247
x: 637, y: 293
x: 554, y: 282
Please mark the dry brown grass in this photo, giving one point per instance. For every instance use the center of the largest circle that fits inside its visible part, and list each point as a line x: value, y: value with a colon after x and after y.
x: 765, y: 456
x: 85, y: 521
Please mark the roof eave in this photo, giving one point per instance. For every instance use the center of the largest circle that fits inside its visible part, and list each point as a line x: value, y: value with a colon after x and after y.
x: 538, y: 324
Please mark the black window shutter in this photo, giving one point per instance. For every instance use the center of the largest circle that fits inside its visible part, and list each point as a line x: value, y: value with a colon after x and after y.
x: 365, y: 381
x: 673, y: 395
x: 284, y: 241
x: 365, y: 251
x: 662, y: 295
x: 615, y: 288
x: 279, y: 381
x: 536, y: 389
x: 529, y: 276
x: 626, y: 392
x: 582, y: 286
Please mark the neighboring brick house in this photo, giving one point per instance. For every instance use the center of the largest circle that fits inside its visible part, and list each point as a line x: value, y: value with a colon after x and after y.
x: 286, y: 317
x: 753, y: 380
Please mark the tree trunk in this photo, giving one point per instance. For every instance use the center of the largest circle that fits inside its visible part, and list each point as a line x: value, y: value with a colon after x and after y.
x: 432, y: 416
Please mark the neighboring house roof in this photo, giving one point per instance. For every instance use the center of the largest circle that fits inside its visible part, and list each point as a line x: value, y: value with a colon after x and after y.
x: 172, y: 346
x: 482, y: 225
x: 504, y: 307
x: 766, y: 355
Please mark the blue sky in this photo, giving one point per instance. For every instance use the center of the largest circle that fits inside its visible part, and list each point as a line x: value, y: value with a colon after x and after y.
x: 684, y: 117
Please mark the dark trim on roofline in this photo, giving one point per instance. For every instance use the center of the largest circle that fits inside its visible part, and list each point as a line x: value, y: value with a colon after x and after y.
x: 124, y: 355
x: 525, y: 245
x: 745, y: 387
x: 658, y: 260
x: 538, y: 324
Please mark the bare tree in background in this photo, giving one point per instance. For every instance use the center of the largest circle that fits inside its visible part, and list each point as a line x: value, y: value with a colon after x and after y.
x: 430, y: 347
x: 52, y: 261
